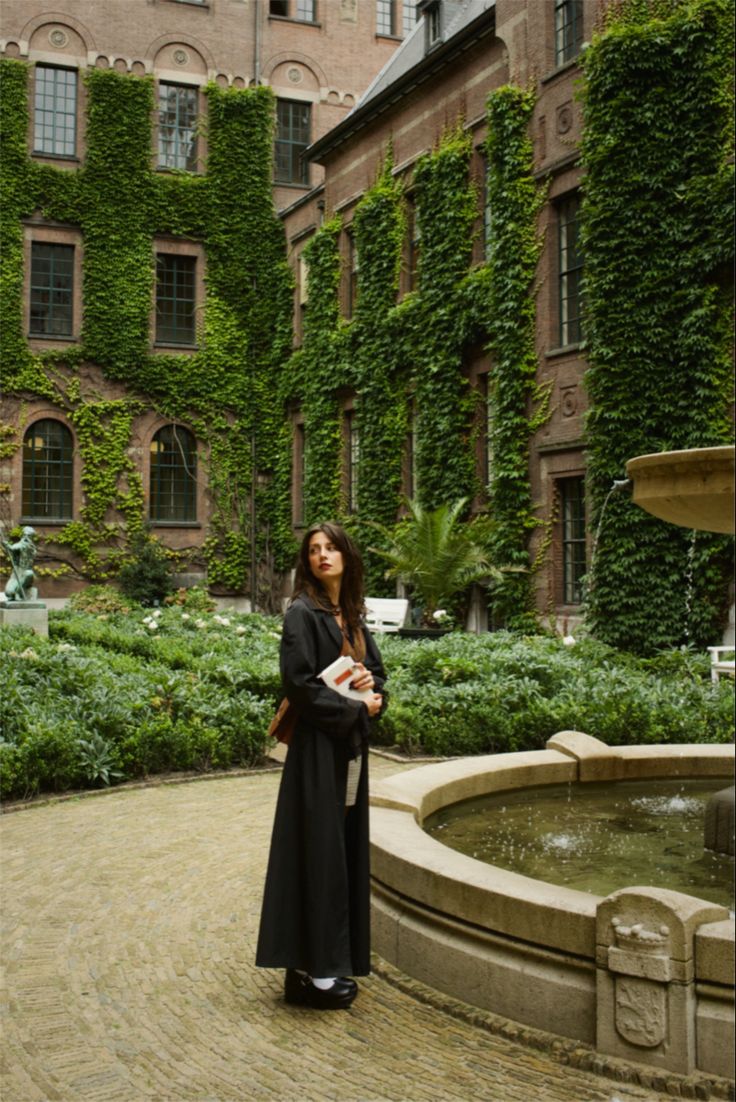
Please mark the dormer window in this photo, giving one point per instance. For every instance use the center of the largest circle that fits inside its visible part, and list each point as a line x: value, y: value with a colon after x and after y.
x: 432, y: 12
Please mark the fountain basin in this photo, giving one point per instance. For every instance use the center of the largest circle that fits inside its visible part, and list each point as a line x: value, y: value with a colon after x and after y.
x: 693, y: 488
x: 551, y: 957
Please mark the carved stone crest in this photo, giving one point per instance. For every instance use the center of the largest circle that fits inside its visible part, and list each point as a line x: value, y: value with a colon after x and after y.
x: 641, y: 1011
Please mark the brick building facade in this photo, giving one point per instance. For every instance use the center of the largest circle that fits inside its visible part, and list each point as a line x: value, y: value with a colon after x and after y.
x: 428, y: 85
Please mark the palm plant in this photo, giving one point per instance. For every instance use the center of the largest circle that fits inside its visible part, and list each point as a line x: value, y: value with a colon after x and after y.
x: 436, y: 554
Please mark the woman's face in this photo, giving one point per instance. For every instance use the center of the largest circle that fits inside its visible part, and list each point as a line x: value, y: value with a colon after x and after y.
x: 325, y: 561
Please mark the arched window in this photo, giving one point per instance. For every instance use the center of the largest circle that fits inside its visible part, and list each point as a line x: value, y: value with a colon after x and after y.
x: 173, y: 475
x: 48, y: 471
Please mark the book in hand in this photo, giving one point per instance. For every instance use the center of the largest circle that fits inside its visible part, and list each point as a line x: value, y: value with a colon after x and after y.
x: 338, y: 676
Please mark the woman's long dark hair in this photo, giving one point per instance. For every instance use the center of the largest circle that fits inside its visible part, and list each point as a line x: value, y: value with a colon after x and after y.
x: 351, y: 589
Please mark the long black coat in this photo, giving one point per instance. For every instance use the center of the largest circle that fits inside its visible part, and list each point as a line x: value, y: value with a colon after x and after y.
x: 316, y: 904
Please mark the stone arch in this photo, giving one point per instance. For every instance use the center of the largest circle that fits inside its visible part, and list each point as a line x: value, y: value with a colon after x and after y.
x: 65, y: 20
x: 54, y: 39
x: 160, y: 54
x: 294, y: 74
x: 286, y: 56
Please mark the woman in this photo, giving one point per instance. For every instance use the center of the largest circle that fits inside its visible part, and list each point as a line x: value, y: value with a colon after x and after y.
x: 316, y: 905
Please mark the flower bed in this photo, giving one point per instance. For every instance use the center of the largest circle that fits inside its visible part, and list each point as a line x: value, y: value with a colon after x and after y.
x: 118, y: 696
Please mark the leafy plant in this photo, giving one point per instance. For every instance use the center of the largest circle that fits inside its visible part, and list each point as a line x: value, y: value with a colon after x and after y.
x: 100, y: 599
x: 148, y: 578
x: 192, y: 599
x: 436, y: 554
x: 97, y: 760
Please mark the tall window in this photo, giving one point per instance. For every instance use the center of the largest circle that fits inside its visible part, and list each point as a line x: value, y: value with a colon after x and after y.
x: 175, y: 299
x: 173, y: 475
x: 292, y: 138
x: 410, y: 16
x: 414, y: 246
x: 55, y: 111
x: 352, y: 458
x: 52, y: 290
x: 570, y: 269
x: 300, y: 472
x: 572, y: 515
x: 487, y: 424
x: 353, y: 285
x: 486, y: 211
x: 177, y: 123
x: 568, y: 29
x: 47, y: 471
x: 411, y: 453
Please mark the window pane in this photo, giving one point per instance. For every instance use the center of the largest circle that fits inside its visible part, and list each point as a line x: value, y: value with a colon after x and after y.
x: 570, y: 272
x: 572, y: 512
x: 52, y: 290
x: 175, y: 299
x: 409, y: 16
x: 568, y: 29
x: 278, y: 7
x: 385, y: 22
x: 47, y: 471
x: 177, y: 122
x: 55, y: 111
x: 173, y: 484
x: 293, y: 124
x: 305, y: 10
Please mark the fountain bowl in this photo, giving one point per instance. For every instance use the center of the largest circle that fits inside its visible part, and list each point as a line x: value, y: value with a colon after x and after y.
x: 645, y: 974
x: 693, y: 488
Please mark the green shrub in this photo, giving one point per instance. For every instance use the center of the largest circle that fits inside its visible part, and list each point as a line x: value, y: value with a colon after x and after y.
x: 147, y: 579
x: 193, y: 599
x: 113, y: 696
x: 100, y: 599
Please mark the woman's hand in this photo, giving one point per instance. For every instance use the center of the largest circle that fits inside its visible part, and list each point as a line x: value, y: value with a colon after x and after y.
x: 362, y: 678
x: 373, y: 702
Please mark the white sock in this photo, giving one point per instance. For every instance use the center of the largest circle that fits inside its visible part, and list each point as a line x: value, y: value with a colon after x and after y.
x: 323, y: 984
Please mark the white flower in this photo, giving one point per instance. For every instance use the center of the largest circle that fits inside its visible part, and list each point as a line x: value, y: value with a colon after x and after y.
x: 185, y: 616
x: 66, y: 646
x: 29, y: 652
x: 200, y: 624
x: 240, y: 630
x: 569, y: 640
x: 225, y: 622
x: 440, y: 614
x: 275, y: 634
x: 157, y: 612
x: 152, y: 625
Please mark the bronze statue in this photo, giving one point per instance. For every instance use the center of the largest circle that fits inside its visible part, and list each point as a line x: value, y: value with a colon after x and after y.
x: 22, y: 554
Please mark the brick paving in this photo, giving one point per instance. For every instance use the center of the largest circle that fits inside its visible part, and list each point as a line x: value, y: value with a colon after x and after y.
x: 128, y: 935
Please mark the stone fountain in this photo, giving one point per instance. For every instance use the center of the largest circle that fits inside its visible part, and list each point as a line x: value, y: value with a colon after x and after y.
x: 644, y: 973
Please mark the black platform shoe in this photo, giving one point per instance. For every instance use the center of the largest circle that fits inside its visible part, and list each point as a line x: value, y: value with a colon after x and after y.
x: 300, y: 991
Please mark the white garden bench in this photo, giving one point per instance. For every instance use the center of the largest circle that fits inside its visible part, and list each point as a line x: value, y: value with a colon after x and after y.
x: 720, y: 665
x: 386, y: 613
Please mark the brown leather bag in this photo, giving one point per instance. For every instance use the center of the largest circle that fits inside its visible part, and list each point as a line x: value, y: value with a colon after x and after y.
x: 283, y: 723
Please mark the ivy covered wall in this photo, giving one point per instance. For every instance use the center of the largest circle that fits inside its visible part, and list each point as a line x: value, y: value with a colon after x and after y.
x: 226, y: 391
x: 658, y: 233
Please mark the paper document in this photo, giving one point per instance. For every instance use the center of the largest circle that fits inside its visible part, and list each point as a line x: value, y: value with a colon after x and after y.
x: 338, y: 676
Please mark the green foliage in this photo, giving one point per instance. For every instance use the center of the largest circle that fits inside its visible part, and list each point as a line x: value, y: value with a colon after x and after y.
x: 438, y: 556
x: 227, y: 390
x: 178, y: 690
x: 97, y: 760
x: 147, y: 579
x: 657, y: 229
x: 497, y: 693
x: 193, y: 599
x: 100, y: 599
x: 514, y: 200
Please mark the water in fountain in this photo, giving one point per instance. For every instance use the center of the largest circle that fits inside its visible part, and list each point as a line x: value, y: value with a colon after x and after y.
x: 617, y: 486
x: 596, y: 837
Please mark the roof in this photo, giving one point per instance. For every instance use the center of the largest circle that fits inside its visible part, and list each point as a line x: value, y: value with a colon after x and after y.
x: 463, y: 22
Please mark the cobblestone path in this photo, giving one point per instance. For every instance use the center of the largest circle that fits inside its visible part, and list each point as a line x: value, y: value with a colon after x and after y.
x: 128, y: 934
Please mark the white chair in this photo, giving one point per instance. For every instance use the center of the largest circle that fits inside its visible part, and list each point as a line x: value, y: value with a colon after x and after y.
x: 720, y: 665
x: 386, y: 614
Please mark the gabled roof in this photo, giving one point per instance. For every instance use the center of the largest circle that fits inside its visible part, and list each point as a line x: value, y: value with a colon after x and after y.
x: 463, y: 22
